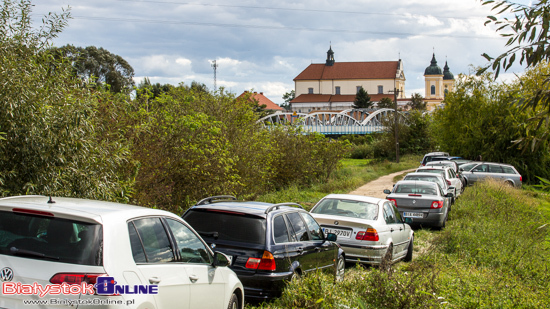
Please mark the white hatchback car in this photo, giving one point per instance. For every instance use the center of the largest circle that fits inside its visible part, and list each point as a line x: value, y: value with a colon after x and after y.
x: 59, y: 252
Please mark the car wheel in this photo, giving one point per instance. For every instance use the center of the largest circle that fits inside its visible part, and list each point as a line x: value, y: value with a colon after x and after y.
x: 340, y: 268
x: 233, y: 302
x: 409, y: 255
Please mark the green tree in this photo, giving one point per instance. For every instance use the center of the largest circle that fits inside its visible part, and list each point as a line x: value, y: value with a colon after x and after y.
x: 52, y: 143
x: 417, y: 102
x: 528, y: 37
x: 386, y: 103
x: 362, y: 99
x: 98, y: 65
x: 287, y: 97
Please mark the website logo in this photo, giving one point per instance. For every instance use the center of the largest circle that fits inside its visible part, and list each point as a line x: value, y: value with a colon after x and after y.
x: 108, y: 286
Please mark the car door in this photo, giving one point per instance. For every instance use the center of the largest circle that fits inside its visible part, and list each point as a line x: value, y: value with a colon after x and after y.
x: 304, y: 246
x: 156, y: 261
x: 455, y: 181
x: 207, y: 283
x: 325, y: 251
x: 477, y: 173
x: 396, y: 230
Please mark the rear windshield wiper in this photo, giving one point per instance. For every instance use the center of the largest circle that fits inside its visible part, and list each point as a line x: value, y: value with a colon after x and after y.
x: 24, y: 252
x: 209, y: 234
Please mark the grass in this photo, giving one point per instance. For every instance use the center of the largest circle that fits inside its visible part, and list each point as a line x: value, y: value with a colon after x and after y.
x: 352, y: 174
x: 494, y: 253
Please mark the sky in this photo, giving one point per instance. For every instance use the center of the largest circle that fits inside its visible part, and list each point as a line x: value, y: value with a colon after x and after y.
x: 263, y: 45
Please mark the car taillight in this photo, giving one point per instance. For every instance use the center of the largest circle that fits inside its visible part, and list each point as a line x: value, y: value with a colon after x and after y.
x: 267, y: 262
x: 448, y: 182
x: 33, y: 212
x: 520, y: 178
x: 74, y: 278
x: 412, y: 194
x: 393, y: 201
x: 437, y: 204
x: 370, y: 235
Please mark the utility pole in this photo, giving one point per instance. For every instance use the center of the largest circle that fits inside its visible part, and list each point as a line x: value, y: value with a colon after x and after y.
x: 215, y: 66
x: 396, y: 117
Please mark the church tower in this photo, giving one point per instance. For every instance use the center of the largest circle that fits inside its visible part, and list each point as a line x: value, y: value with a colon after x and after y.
x: 437, y: 83
x: 330, y: 57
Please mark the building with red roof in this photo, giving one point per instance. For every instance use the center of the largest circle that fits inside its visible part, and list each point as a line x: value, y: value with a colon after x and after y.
x: 260, y: 99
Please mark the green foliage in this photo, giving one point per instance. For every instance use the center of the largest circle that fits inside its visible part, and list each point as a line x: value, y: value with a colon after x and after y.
x: 478, y: 119
x: 52, y: 143
x: 386, y: 103
x: 98, y: 66
x: 362, y: 99
x: 528, y: 36
x: 417, y: 102
x: 287, y: 97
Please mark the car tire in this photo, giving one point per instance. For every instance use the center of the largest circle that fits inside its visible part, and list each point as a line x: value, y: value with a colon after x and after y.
x: 409, y: 255
x: 233, y: 302
x: 340, y: 268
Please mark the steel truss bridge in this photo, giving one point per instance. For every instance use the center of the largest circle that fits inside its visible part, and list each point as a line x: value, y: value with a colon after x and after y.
x: 351, y: 121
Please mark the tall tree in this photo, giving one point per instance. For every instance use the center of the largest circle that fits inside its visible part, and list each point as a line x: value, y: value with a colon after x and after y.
x: 362, y: 99
x: 385, y: 103
x: 417, y: 102
x: 528, y: 36
x: 98, y: 65
x: 287, y: 97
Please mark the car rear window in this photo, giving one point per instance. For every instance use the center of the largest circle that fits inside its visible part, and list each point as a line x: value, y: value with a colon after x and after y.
x: 416, y: 189
x: 425, y: 178
x: 50, y: 238
x: 508, y: 170
x: 347, y: 208
x: 214, y: 225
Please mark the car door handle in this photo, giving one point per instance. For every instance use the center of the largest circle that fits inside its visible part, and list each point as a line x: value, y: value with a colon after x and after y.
x: 193, y: 278
x: 154, y: 280
x: 300, y: 250
x: 391, y: 230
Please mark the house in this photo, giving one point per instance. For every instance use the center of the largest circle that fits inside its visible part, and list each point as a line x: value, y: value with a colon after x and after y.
x: 261, y: 100
x: 332, y: 86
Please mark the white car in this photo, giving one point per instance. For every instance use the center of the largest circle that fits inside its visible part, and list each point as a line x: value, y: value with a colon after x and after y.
x: 369, y: 229
x: 448, y: 173
x: 59, y: 252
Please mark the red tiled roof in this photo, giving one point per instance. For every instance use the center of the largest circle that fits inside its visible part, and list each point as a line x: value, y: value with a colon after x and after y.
x: 261, y: 100
x: 350, y: 70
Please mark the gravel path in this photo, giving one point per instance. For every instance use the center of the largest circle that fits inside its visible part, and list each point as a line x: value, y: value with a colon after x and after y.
x: 376, y: 187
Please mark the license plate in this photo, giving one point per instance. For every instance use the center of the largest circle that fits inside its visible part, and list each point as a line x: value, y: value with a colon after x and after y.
x: 413, y: 215
x: 340, y: 233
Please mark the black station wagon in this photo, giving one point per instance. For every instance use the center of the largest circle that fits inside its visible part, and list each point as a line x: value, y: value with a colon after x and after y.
x: 268, y: 244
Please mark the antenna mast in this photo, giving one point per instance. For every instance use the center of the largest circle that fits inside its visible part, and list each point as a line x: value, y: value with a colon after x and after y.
x: 215, y: 66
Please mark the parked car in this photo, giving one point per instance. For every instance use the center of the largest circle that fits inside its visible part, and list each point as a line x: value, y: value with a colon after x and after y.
x: 268, y: 244
x: 369, y: 229
x: 437, y: 178
x: 52, y: 241
x: 452, y: 165
x: 428, y: 157
x: 448, y: 173
x: 424, y: 201
x: 500, y: 171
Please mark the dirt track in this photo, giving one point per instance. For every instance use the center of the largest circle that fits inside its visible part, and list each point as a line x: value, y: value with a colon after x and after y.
x: 376, y: 187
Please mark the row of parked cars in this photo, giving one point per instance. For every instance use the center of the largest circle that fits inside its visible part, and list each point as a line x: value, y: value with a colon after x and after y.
x: 216, y: 254
x: 427, y: 195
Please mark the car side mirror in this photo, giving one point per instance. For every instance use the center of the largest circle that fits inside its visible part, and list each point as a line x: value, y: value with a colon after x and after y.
x: 220, y: 260
x: 461, y: 169
x: 408, y: 220
x: 451, y: 188
x: 387, y: 191
x: 331, y: 237
x: 449, y: 195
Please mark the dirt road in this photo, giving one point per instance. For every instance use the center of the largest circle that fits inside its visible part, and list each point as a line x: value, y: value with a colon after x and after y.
x: 376, y: 187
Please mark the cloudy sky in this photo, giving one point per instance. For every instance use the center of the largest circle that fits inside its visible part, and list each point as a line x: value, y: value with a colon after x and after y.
x: 263, y: 45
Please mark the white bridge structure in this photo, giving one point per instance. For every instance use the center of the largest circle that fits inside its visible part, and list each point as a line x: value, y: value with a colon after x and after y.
x: 350, y: 121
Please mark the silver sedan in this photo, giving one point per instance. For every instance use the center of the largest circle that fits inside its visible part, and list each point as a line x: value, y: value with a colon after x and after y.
x: 424, y: 201
x: 369, y: 229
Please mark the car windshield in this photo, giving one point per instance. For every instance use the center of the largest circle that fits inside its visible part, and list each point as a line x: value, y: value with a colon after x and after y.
x: 425, y: 178
x: 217, y: 225
x: 414, y: 188
x: 49, y: 238
x: 347, y: 208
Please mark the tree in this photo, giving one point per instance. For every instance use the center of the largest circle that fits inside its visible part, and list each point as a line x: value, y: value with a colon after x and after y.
x: 386, y: 103
x: 417, y: 102
x: 528, y: 35
x: 362, y: 99
x: 287, y: 97
x: 98, y: 65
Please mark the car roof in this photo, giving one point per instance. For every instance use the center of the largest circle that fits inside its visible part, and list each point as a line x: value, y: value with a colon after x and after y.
x: 245, y: 207
x: 433, y: 167
x: 406, y: 182
x: 425, y: 174
x: 437, y: 153
x: 362, y: 198
x: 65, y: 207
